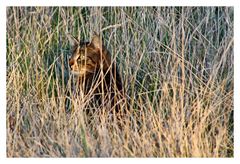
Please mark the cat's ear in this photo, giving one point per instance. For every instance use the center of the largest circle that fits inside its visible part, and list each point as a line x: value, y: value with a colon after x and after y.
x: 73, y: 41
x: 96, y: 41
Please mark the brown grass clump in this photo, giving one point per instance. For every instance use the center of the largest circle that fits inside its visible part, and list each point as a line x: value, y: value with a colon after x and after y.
x: 177, y: 69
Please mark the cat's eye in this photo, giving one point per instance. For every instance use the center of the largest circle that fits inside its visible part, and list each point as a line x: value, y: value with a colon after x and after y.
x: 81, y: 57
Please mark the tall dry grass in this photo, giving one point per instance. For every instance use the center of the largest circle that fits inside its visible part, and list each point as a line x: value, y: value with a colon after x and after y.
x: 177, y: 69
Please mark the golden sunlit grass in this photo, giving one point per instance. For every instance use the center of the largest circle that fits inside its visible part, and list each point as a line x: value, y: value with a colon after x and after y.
x: 176, y: 65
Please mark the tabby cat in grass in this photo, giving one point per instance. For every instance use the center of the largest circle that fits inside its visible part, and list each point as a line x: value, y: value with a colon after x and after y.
x: 97, y: 74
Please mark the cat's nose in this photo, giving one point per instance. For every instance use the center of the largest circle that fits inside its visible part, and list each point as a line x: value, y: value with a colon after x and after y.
x: 71, y: 63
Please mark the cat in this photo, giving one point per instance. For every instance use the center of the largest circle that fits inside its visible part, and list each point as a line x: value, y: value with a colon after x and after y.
x: 97, y: 74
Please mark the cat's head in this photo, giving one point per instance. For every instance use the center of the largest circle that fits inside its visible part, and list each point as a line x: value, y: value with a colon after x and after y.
x: 87, y: 56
